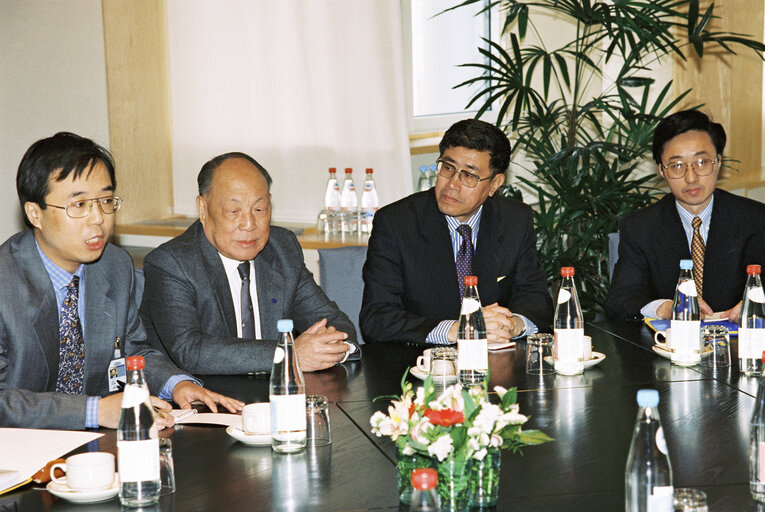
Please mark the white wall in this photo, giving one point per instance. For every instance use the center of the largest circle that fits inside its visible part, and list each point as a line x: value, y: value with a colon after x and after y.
x: 52, y: 78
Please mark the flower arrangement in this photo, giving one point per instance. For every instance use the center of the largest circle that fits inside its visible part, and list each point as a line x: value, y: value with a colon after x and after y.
x: 454, y: 431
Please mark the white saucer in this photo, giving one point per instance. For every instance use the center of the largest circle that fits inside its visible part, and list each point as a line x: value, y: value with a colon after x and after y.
x: 249, y: 439
x: 594, y: 359
x: 64, y: 492
x: 416, y: 372
x: 664, y: 351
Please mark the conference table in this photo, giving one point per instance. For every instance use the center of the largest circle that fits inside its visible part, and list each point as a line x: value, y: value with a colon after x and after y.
x: 705, y: 414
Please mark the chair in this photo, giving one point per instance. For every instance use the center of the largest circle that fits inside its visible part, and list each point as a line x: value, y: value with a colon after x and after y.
x: 340, y: 276
x: 613, y: 253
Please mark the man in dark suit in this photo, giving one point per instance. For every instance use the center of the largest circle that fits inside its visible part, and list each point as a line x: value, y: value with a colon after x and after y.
x: 66, y: 296
x: 687, y: 148
x: 213, y: 295
x: 411, y: 286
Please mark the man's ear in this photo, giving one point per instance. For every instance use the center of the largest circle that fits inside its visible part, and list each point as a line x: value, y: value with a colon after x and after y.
x: 202, y: 209
x: 496, y: 182
x: 33, y: 212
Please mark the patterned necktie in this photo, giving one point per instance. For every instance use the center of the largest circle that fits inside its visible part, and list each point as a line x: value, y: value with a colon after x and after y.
x: 697, y: 253
x: 71, y: 351
x: 248, y: 321
x: 464, y: 256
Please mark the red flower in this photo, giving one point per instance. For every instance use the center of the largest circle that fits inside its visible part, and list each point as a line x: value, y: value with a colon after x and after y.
x: 444, y: 417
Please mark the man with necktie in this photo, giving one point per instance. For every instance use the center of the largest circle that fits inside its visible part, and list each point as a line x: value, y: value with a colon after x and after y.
x: 718, y: 230
x: 213, y: 294
x: 423, y: 246
x: 67, y: 295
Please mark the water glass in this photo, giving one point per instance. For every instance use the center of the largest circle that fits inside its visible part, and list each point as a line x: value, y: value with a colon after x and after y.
x: 166, y: 468
x: 317, y: 421
x: 689, y: 500
x: 715, y: 351
x: 539, y: 354
x: 443, y: 365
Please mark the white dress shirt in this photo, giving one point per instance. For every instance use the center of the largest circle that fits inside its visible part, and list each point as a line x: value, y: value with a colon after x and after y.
x: 235, y: 286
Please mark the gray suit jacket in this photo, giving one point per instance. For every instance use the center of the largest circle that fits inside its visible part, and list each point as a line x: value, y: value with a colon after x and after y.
x: 187, y: 305
x: 29, y: 335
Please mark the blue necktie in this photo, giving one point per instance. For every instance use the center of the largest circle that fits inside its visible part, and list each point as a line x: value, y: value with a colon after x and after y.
x: 248, y: 320
x: 464, y: 256
x: 71, y: 355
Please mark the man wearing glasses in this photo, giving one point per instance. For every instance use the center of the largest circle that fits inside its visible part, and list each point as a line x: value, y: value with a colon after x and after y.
x: 67, y: 298
x: 715, y: 228
x: 422, y: 246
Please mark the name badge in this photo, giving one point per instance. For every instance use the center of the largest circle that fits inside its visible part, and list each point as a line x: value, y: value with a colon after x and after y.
x: 115, y: 373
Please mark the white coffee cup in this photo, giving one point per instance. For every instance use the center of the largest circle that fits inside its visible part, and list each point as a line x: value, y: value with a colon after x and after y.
x: 423, y: 361
x: 663, y: 334
x: 86, y: 471
x: 256, y: 418
x: 587, y: 348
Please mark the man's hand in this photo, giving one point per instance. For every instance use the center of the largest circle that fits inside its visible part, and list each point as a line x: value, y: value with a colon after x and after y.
x: 705, y: 309
x: 733, y: 313
x: 110, y: 408
x: 665, y: 310
x: 501, y: 325
x: 187, y: 391
x: 320, y: 347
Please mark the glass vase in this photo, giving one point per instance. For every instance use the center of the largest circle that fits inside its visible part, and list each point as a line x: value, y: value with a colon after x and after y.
x: 453, y: 485
x: 405, y: 464
x: 484, y: 480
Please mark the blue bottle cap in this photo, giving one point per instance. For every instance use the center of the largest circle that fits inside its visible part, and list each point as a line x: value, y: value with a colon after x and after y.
x: 423, y: 168
x: 648, y: 398
x: 284, y: 325
x: 433, y: 167
x: 686, y: 264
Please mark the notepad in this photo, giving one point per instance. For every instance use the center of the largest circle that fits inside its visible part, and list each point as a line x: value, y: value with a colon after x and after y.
x: 192, y: 416
x: 658, y: 324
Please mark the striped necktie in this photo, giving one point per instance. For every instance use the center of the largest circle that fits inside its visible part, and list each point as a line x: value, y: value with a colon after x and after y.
x: 71, y: 351
x: 697, y: 253
x: 464, y: 256
x: 248, y: 320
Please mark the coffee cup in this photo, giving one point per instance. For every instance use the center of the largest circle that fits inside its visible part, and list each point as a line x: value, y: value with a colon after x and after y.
x: 256, y: 418
x: 443, y: 362
x: 662, y: 338
x: 423, y: 361
x: 587, y: 342
x: 86, y: 471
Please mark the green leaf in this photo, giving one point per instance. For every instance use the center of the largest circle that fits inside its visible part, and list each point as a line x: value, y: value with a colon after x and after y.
x: 533, y: 437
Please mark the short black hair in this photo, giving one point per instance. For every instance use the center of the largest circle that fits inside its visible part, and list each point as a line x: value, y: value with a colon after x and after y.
x: 480, y: 136
x: 65, y: 153
x: 686, y: 121
x: 205, y: 176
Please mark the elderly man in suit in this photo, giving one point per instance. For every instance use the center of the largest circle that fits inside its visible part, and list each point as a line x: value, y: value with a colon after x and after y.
x: 422, y: 246
x: 214, y: 294
x: 718, y: 230
x: 66, y: 296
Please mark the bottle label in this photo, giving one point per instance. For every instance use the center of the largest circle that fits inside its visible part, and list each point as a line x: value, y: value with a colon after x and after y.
x: 685, y: 340
x: 688, y: 288
x: 133, y: 396
x: 756, y: 294
x: 660, y: 499
x: 469, y: 306
x: 751, y: 343
x: 473, y: 354
x: 761, y: 461
x: 138, y: 461
x: 287, y: 413
x: 661, y: 443
x: 278, y: 355
x: 569, y: 344
x: 563, y: 296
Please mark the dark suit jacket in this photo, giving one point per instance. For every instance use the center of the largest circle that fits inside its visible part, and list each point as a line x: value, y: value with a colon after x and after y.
x: 29, y: 335
x: 187, y: 305
x: 652, y: 243
x: 410, y: 278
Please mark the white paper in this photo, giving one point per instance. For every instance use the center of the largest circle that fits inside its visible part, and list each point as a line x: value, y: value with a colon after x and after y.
x: 28, y: 450
x: 206, y: 418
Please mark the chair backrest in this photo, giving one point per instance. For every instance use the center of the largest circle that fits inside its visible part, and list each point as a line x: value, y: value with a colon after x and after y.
x: 340, y: 276
x: 613, y: 253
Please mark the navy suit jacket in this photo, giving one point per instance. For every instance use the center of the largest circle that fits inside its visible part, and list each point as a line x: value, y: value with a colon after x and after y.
x: 410, y: 278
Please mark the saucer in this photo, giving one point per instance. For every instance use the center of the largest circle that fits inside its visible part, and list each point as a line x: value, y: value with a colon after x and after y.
x: 664, y: 351
x: 416, y: 372
x: 249, y: 439
x: 91, y: 496
x: 594, y: 359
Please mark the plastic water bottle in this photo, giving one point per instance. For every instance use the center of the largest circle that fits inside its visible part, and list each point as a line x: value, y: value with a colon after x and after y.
x: 757, y: 443
x: 751, y: 331
x: 568, y: 327
x: 425, y: 498
x: 472, y: 345
x: 332, y: 193
x: 137, y: 441
x: 369, y: 202
x: 287, y: 395
x: 433, y: 175
x: 349, y: 204
x: 424, y: 182
x: 648, y: 475
x: 686, y: 319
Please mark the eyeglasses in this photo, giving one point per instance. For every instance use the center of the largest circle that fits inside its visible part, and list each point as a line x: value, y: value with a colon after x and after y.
x: 468, y: 179
x: 701, y: 167
x: 82, y: 208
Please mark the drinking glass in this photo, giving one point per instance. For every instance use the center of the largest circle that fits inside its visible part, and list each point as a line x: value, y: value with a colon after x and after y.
x: 690, y: 500
x: 166, y: 468
x: 715, y: 351
x: 317, y: 421
x: 539, y: 354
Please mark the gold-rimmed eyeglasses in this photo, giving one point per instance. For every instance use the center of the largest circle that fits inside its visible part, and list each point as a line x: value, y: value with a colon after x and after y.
x: 468, y: 179
x: 702, y: 167
x: 81, y: 208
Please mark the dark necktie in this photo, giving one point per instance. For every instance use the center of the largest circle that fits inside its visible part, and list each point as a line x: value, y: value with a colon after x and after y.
x: 248, y: 321
x: 464, y: 256
x: 71, y: 351
x: 697, y: 253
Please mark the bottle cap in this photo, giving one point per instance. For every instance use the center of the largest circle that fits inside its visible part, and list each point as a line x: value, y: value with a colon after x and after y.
x: 753, y: 270
x: 423, y: 168
x: 433, y: 167
x: 369, y: 170
x: 348, y: 170
x: 135, y: 363
x: 648, y: 398
x: 424, y: 479
x: 284, y: 325
x: 567, y: 271
x: 687, y: 264
x: 763, y: 357
x: 333, y: 170
x: 471, y: 281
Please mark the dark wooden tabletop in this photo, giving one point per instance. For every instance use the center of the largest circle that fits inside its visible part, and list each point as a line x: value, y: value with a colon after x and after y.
x: 591, y: 416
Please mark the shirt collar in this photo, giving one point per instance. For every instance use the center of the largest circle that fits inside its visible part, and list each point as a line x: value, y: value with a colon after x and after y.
x: 473, y: 222
x: 59, y: 277
x: 231, y: 266
x: 705, y: 215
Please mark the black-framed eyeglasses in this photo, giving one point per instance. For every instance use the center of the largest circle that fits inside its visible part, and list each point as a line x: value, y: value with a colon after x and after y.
x: 468, y: 179
x: 81, y: 208
x: 702, y: 167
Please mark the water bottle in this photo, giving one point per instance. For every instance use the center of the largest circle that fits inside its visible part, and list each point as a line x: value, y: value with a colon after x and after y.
x: 685, y: 338
x: 424, y: 182
x: 568, y: 327
x: 137, y: 441
x: 757, y: 443
x: 332, y: 193
x: 472, y: 345
x: 349, y: 204
x: 751, y: 331
x: 425, y: 498
x: 369, y: 202
x: 648, y: 475
x: 287, y: 395
x: 433, y: 175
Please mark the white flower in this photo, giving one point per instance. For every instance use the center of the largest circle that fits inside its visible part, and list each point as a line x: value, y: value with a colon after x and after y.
x: 480, y: 454
x: 408, y: 450
x: 418, y: 431
x: 451, y: 398
x: 441, y: 448
x: 420, y: 398
x: 500, y: 391
x: 496, y: 441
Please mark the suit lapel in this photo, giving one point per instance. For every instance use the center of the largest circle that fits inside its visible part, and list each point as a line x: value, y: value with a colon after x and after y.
x: 436, y: 240
x: 218, y: 281
x: 666, y: 247
x: 487, y: 255
x: 99, y: 326
x: 270, y: 283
